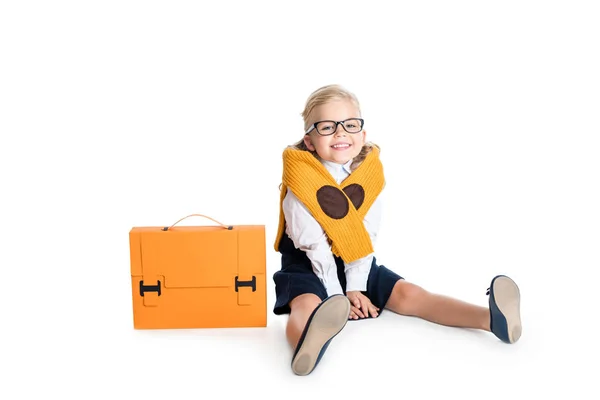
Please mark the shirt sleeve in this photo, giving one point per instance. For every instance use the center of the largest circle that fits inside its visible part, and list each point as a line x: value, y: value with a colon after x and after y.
x: 308, y: 236
x: 357, y: 272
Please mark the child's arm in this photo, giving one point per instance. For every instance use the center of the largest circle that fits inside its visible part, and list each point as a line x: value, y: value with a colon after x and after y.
x: 357, y: 272
x: 309, y: 236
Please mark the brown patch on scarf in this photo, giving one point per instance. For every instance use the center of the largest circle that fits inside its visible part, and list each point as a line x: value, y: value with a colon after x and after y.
x: 333, y: 202
x: 356, y: 193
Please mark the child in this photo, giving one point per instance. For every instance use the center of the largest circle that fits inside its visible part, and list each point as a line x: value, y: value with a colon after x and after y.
x: 328, y: 221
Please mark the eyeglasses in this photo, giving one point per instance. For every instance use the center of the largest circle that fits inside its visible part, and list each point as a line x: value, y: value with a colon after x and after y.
x: 327, y: 128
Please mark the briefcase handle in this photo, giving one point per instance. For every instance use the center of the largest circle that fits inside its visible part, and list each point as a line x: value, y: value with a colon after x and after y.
x: 228, y: 227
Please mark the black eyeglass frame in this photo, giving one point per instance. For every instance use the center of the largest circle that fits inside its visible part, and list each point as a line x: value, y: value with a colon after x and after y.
x: 314, y: 126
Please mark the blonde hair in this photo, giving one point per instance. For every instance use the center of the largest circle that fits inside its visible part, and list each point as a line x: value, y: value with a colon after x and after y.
x: 322, y: 96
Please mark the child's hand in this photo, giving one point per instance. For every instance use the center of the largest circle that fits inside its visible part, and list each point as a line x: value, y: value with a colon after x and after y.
x: 361, y: 306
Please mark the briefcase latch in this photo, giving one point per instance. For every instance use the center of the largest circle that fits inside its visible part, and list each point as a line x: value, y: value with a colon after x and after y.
x: 245, y: 295
x: 150, y: 293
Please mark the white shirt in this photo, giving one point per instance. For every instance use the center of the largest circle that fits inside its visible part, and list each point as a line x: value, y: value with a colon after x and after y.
x: 308, y: 236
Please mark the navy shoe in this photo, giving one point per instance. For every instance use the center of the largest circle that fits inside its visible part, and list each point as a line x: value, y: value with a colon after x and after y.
x: 505, y: 313
x: 325, y: 322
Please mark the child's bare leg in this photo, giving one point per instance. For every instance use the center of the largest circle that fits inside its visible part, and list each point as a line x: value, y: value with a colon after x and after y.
x: 302, y: 306
x: 410, y: 299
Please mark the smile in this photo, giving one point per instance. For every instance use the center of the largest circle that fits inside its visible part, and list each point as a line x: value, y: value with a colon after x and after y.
x: 341, y: 146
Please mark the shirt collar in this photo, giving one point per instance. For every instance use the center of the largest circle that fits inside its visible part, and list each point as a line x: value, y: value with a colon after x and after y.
x: 335, y: 168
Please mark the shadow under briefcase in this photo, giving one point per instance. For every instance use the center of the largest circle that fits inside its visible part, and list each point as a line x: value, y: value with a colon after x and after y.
x: 198, y: 276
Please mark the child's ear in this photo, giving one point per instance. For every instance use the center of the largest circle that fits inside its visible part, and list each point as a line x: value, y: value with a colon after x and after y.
x: 364, y: 136
x: 308, y: 143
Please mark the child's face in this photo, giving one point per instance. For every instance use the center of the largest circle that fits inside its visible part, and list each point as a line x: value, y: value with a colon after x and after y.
x: 342, y: 146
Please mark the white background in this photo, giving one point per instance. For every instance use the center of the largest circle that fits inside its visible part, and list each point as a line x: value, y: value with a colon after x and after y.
x: 117, y: 114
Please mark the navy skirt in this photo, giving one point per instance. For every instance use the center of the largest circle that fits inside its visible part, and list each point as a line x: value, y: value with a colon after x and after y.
x: 296, y: 277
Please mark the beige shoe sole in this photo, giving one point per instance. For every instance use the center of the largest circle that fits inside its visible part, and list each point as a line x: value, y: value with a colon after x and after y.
x: 508, y: 300
x: 329, y: 319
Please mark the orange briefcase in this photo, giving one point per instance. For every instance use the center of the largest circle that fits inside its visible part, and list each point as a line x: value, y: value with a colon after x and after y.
x: 198, y: 276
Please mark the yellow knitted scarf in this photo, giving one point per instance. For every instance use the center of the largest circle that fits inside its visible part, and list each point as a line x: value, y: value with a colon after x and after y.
x: 339, y: 209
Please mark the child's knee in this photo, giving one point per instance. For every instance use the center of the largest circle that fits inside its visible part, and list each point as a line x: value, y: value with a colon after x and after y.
x: 409, y: 293
x: 307, y: 301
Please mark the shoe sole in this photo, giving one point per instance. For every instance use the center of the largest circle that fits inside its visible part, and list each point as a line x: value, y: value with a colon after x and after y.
x: 327, y: 322
x: 508, y: 300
